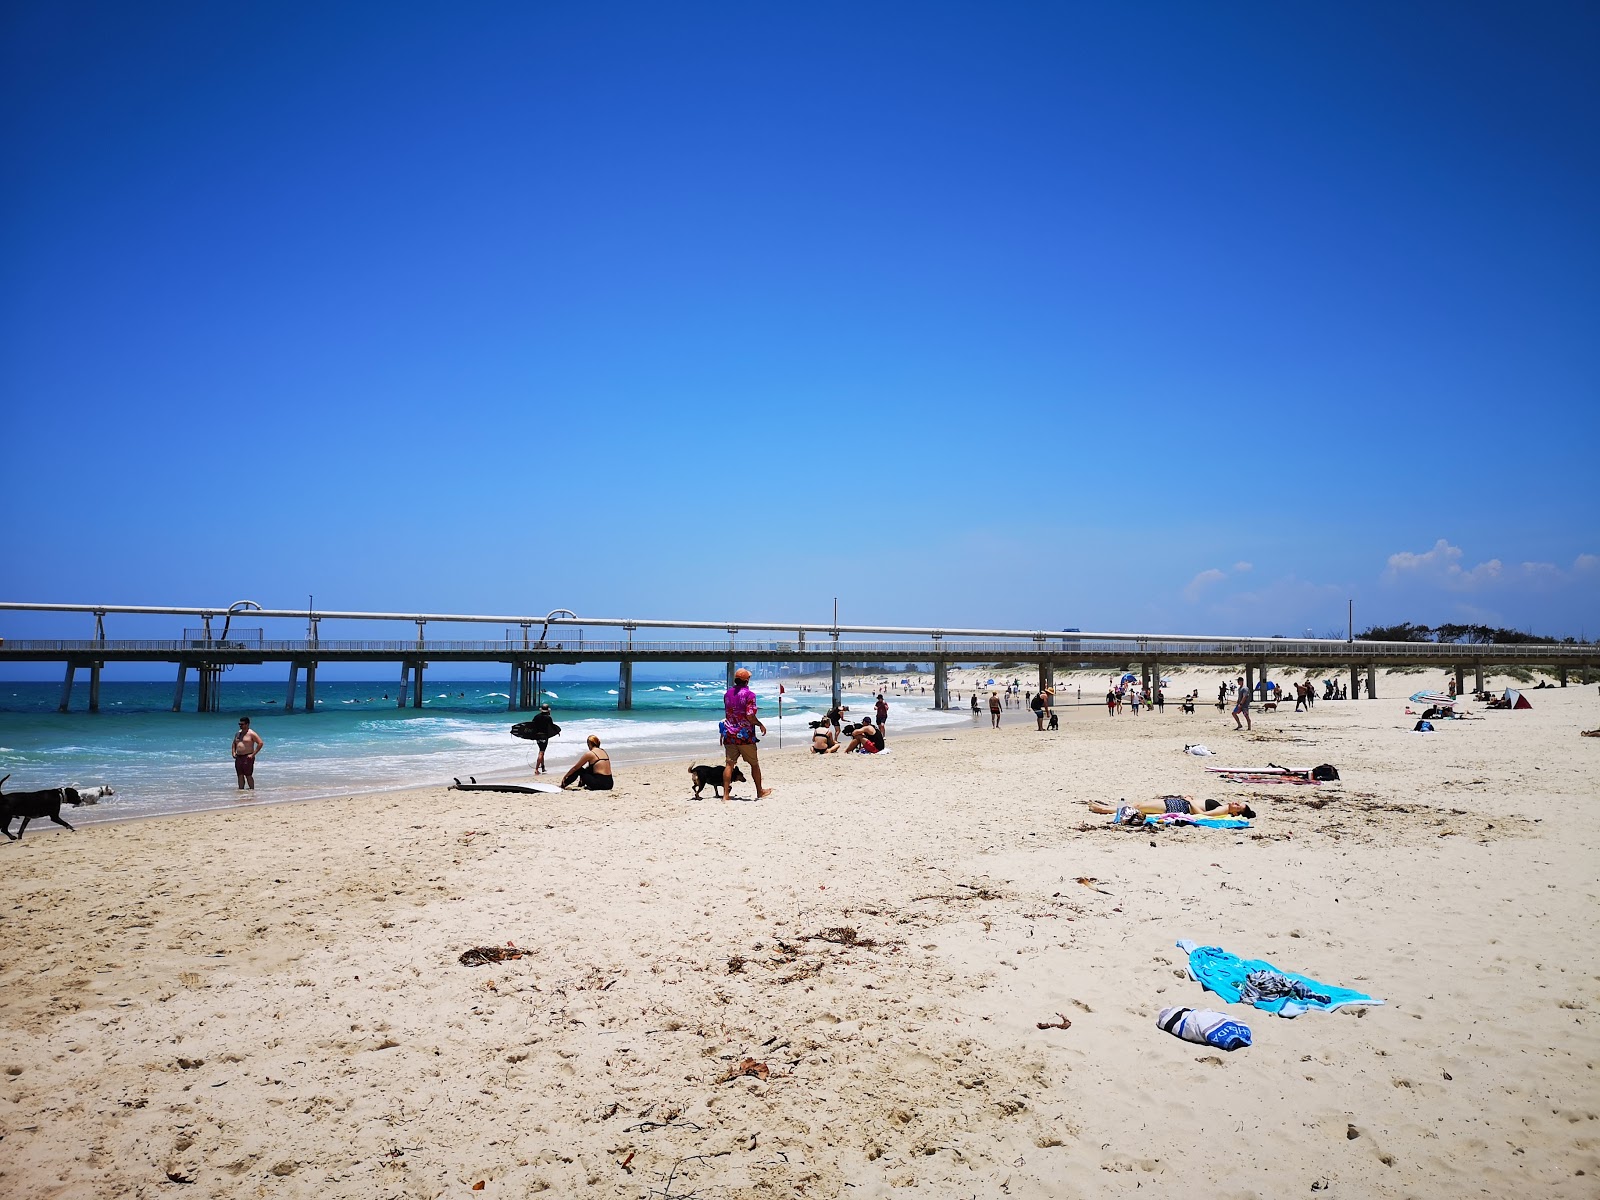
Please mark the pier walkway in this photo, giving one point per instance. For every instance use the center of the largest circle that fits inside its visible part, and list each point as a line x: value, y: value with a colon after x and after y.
x: 534, y: 644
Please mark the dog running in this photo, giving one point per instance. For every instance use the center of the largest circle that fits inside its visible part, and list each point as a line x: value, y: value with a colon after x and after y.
x: 34, y: 805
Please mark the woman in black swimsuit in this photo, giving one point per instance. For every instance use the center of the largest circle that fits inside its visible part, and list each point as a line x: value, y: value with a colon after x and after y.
x: 1183, y: 805
x: 593, y: 770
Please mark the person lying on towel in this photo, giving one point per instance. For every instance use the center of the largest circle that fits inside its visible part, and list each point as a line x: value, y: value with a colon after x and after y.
x: 1183, y: 805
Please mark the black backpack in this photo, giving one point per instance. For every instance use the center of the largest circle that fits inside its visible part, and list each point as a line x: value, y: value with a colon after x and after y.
x: 1325, y: 773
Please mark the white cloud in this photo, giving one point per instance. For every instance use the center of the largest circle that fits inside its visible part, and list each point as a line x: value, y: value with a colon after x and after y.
x: 1242, y: 567
x: 1196, y: 586
x: 1586, y: 562
x: 1442, y: 565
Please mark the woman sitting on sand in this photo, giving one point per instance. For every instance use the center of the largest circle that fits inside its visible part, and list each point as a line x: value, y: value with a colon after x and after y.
x: 593, y: 770
x: 1183, y: 805
x: 823, y: 740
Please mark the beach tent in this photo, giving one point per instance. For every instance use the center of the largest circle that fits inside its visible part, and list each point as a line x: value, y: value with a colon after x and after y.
x: 1517, y: 699
x: 1130, y: 677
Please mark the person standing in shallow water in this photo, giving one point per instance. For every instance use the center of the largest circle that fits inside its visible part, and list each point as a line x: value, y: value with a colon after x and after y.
x: 247, y: 744
x: 739, y: 726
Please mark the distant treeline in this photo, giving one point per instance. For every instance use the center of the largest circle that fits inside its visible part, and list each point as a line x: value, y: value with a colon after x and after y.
x: 1482, y: 635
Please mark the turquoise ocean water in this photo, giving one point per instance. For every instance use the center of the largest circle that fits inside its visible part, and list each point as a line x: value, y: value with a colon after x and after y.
x: 165, y: 762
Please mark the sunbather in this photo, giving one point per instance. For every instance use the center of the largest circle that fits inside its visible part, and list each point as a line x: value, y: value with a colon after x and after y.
x: 1183, y: 805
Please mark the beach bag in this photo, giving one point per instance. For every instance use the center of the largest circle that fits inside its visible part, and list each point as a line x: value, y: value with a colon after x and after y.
x: 1423, y: 727
x: 1326, y: 773
x: 1204, y: 1026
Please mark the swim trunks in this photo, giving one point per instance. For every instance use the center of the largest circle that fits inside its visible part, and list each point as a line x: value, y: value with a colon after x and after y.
x: 245, y: 765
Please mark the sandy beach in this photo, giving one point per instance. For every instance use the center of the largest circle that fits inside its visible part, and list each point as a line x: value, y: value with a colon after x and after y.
x: 836, y: 991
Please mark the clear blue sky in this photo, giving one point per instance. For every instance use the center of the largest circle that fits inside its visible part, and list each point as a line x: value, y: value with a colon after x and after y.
x: 1168, y: 317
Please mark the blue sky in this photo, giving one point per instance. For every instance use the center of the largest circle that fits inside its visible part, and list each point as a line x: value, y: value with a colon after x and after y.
x: 1168, y: 317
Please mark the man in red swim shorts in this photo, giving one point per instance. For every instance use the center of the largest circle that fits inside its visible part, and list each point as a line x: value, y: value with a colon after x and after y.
x: 247, y: 744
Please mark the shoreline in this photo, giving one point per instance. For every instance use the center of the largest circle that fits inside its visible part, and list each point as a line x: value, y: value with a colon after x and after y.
x: 95, y: 815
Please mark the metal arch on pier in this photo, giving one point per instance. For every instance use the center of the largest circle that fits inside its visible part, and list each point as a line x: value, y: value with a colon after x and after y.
x: 529, y: 657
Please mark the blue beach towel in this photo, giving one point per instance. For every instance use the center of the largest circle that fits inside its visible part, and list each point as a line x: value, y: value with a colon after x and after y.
x: 1225, y: 973
x: 1203, y: 822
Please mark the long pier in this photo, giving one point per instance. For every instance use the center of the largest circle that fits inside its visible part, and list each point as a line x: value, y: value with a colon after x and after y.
x: 561, y: 640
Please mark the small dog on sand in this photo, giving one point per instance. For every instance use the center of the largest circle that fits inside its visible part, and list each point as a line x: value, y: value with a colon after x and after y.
x: 712, y: 776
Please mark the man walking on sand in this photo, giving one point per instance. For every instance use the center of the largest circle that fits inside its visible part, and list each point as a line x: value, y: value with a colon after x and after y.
x: 739, y: 727
x: 994, y: 709
x: 247, y: 744
x: 1241, y: 706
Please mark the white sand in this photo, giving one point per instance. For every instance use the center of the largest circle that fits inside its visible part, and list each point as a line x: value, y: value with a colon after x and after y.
x: 268, y: 1002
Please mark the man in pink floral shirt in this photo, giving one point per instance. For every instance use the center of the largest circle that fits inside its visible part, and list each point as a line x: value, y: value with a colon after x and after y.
x: 739, y: 733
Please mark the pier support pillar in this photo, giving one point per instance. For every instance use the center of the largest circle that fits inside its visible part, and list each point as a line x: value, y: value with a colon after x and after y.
x: 66, y: 688
x: 177, y: 692
x: 732, y: 667
x: 1372, y: 681
x: 838, y: 684
x: 1144, y: 675
x: 624, y: 685
x: 514, y: 689
x: 94, y: 685
x: 941, y: 685
x: 416, y: 685
x: 1047, y: 675
x: 311, y: 687
x: 1263, y: 679
x: 94, y: 679
x: 1478, y: 668
x: 1461, y: 673
x: 405, y: 682
x: 209, y: 677
x: 294, y: 680
x: 1355, y: 682
x: 1155, y: 683
x: 532, y: 673
x: 1249, y: 679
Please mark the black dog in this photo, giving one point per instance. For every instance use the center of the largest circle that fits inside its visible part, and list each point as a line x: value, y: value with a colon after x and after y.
x: 1055, y: 722
x: 712, y: 776
x: 29, y: 805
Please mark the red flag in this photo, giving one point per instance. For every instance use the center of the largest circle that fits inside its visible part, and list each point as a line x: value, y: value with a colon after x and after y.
x: 780, y: 689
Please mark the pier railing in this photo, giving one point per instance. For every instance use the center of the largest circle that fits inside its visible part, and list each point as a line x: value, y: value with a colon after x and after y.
x: 1059, y: 651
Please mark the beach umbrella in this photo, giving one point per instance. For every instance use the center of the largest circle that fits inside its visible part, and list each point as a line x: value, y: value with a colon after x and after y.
x: 1129, y: 677
x: 1435, y: 698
